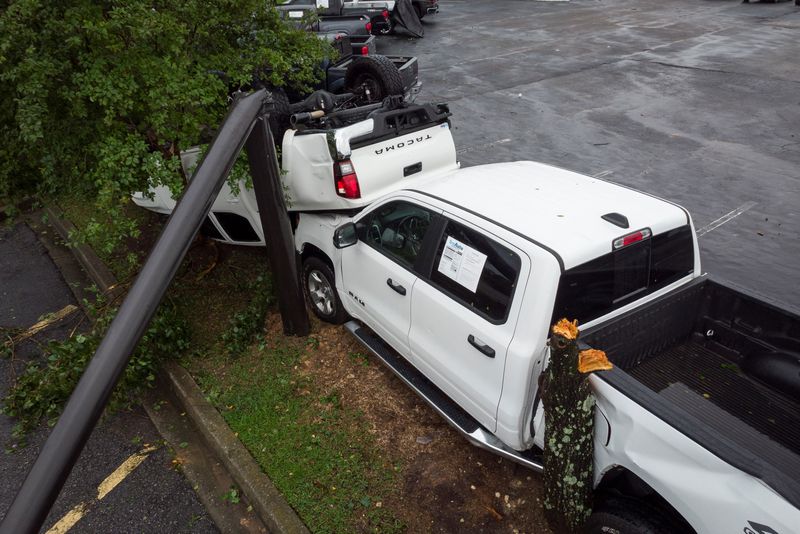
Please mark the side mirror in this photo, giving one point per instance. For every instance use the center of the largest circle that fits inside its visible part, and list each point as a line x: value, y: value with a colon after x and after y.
x: 345, y: 236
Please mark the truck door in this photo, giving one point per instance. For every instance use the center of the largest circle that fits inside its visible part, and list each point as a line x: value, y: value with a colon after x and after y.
x: 461, y: 325
x: 378, y: 273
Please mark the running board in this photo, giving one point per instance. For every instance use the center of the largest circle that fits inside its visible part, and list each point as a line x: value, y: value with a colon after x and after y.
x: 436, y: 398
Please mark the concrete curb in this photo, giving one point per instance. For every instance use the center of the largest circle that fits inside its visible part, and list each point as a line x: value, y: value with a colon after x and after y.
x: 265, y: 498
x: 259, y: 489
x: 96, y: 269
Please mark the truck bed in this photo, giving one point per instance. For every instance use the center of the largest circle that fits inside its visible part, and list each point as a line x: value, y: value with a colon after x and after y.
x: 720, y: 366
x: 701, y: 381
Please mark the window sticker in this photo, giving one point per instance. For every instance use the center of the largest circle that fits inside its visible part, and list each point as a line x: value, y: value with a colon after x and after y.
x: 462, y: 263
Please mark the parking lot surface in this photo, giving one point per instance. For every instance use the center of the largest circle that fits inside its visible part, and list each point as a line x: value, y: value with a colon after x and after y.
x: 125, y: 480
x: 695, y: 101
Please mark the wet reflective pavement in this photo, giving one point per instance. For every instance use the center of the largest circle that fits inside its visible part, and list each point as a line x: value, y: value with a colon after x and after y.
x: 694, y: 101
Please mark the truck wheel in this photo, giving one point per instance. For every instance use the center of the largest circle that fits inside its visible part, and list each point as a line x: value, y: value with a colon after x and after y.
x: 617, y: 518
x: 373, y: 78
x: 320, y: 291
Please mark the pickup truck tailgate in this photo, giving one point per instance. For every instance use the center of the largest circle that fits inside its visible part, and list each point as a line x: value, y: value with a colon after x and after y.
x: 387, y: 152
x: 409, y: 71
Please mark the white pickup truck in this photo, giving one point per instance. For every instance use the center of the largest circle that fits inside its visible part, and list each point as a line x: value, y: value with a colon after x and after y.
x: 453, y: 277
x: 454, y: 282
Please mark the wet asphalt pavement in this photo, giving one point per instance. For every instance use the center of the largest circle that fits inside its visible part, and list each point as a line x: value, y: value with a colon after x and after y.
x: 696, y: 101
x: 154, y: 497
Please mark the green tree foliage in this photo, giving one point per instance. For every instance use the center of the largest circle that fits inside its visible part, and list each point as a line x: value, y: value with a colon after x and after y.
x: 99, y: 97
x: 41, y: 391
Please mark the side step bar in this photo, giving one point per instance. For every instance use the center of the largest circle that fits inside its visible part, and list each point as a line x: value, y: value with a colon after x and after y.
x: 436, y: 398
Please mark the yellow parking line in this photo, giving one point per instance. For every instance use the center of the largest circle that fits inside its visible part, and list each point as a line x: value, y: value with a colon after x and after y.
x: 119, y: 474
x: 106, y: 486
x: 69, y: 520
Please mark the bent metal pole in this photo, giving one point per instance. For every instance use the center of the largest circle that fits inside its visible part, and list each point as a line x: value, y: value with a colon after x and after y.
x: 63, y: 446
x: 277, y: 228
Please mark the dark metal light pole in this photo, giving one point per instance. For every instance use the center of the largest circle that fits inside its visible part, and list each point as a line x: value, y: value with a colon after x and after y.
x: 277, y: 228
x: 68, y: 437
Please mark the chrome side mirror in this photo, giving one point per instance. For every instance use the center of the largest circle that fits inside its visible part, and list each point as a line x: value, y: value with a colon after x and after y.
x: 345, y: 236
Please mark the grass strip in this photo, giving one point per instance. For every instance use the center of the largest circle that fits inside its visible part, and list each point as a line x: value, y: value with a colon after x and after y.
x: 316, y: 451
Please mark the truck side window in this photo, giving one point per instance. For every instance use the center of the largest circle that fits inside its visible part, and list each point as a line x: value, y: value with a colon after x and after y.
x: 476, y: 271
x: 397, y: 229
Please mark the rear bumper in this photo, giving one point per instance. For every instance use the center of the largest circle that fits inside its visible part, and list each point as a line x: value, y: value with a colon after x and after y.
x: 431, y: 7
x: 380, y: 25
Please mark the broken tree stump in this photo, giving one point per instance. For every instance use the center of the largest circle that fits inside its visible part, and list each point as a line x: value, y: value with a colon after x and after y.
x: 569, y: 429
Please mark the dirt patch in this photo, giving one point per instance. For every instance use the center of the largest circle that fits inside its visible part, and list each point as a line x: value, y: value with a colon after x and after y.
x: 446, y: 484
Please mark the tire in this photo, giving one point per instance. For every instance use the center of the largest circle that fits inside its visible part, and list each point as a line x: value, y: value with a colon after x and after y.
x: 626, y: 517
x: 278, y: 114
x: 373, y: 78
x: 320, y: 291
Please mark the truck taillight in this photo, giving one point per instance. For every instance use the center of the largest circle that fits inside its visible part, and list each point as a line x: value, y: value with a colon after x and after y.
x: 385, y: 14
x: 630, y: 239
x: 346, y: 179
x: 364, y: 50
x: 368, y: 26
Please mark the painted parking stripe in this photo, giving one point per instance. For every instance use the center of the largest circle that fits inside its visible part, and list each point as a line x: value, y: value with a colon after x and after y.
x: 106, y: 486
x: 713, y: 225
x: 485, y: 145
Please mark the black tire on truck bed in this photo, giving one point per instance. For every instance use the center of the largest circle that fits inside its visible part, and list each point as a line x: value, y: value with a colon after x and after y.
x: 279, y: 114
x: 377, y: 74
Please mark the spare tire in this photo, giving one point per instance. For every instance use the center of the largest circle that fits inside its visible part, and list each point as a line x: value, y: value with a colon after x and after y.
x: 279, y: 114
x: 373, y: 78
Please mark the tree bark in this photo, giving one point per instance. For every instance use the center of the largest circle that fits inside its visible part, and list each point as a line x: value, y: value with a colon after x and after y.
x: 568, y: 437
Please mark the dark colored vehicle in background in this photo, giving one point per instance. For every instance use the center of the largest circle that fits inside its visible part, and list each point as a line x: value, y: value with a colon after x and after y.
x: 425, y: 7
x: 355, y: 68
x: 371, y: 77
x: 338, y: 16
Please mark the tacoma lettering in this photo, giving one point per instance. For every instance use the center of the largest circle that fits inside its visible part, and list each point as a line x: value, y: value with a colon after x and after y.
x: 401, y: 144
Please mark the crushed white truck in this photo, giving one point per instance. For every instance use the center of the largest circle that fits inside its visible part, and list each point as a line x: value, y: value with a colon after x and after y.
x: 453, y: 277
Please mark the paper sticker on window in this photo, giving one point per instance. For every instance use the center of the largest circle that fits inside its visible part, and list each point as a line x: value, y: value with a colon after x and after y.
x: 462, y: 263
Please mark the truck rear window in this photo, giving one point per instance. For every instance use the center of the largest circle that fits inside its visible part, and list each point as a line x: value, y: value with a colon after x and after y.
x: 609, y: 282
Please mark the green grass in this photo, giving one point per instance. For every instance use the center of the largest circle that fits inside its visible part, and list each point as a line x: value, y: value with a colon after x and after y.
x: 317, y: 452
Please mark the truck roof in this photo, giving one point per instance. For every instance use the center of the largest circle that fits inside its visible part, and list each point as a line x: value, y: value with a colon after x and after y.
x: 554, y: 207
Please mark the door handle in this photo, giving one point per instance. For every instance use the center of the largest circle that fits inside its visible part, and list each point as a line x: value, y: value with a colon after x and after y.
x: 486, y: 350
x: 397, y: 287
